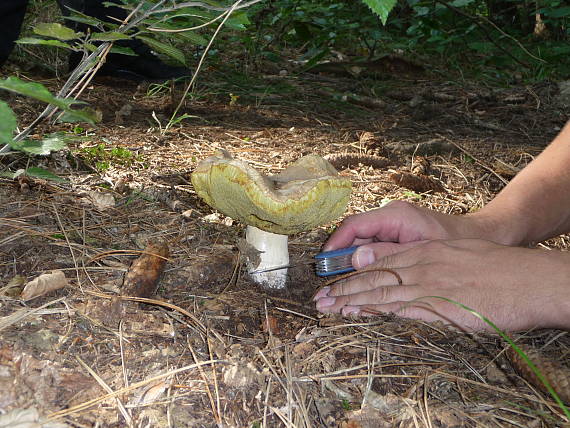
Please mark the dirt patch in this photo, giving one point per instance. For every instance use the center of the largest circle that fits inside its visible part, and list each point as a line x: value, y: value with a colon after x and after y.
x: 214, y: 349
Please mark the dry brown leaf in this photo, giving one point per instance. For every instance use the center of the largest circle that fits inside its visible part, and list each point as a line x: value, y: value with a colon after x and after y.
x: 151, y: 393
x: 241, y: 375
x: 101, y: 201
x: 26, y: 418
x: 43, y: 284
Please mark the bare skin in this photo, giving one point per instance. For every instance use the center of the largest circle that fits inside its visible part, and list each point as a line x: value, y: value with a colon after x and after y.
x: 517, y: 288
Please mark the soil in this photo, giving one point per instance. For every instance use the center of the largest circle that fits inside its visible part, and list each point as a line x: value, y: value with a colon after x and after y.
x: 211, y: 348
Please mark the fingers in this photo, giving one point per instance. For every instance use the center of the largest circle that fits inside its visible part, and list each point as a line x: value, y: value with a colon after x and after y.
x: 354, y: 230
x: 398, y: 221
x: 368, y: 254
x: 382, y: 224
x: 428, y: 310
x: 380, y: 295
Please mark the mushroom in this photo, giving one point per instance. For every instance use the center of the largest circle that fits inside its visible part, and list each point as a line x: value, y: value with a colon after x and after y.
x: 307, y: 194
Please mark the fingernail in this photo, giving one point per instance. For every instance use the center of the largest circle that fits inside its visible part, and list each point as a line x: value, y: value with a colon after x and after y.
x: 325, y: 302
x: 363, y: 256
x: 323, y: 292
x: 351, y: 310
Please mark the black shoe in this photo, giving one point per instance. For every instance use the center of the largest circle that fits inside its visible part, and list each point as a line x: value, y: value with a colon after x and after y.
x: 145, y: 66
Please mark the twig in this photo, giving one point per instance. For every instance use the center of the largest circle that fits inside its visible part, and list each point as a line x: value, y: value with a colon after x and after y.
x: 107, y: 388
x: 202, y: 59
x: 94, y: 401
x: 484, y: 31
x: 477, y: 161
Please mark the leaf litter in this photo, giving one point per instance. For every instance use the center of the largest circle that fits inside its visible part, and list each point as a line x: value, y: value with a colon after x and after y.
x: 202, y: 346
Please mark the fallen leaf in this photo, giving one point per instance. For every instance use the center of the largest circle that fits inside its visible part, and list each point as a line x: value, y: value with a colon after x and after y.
x: 14, y: 287
x: 102, y: 201
x: 270, y: 324
x: 152, y: 393
x: 26, y: 418
x: 241, y: 375
x: 43, y: 284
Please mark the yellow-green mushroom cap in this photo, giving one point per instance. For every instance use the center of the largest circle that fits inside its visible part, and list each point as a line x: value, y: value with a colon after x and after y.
x: 308, y: 193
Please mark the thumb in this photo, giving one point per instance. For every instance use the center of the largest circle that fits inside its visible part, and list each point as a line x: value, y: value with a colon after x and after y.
x: 370, y: 253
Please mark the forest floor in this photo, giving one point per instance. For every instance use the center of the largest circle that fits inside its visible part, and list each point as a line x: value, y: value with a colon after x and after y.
x: 212, y: 348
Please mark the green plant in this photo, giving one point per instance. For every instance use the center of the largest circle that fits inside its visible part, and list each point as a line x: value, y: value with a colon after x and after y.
x: 319, y: 27
x: 514, y: 346
x: 101, y: 158
x: 46, y: 144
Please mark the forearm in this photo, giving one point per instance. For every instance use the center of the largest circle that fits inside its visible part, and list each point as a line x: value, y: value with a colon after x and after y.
x: 535, y: 205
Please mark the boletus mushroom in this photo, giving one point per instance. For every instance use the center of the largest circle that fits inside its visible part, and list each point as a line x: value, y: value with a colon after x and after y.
x: 308, y: 193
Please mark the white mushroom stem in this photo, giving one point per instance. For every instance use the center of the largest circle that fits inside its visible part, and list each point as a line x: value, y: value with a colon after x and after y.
x: 273, y: 252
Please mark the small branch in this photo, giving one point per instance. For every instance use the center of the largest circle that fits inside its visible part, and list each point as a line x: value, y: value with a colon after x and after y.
x: 202, y: 59
x: 483, y: 30
x: 205, y: 6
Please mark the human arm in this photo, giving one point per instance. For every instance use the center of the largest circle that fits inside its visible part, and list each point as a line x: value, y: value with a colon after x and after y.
x: 534, y: 206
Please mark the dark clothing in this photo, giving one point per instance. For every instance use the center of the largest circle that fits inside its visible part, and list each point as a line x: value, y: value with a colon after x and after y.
x: 146, y: 65
x: 12, y: 15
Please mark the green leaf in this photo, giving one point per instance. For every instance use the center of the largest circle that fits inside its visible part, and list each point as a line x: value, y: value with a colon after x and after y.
x: 238, y: 20
x: 189, y: 36
x: 51, y: 143
x: 86, y: 114
x: 43, y: 174
x: 34, y: 41
x: 83, y: 19
x: 381, y: 8
x: 40, y: 92
x: 109, y: 36
x: 123, y: 50
x: 56, y: 31
x: 461, y: 3
x: 8, y: 123
x: 561, y: 12
x: 164, y: 48
x: 33, y: 172
x: 194, y: 38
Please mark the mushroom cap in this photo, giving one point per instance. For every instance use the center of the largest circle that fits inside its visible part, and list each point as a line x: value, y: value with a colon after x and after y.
x: 307, y: 194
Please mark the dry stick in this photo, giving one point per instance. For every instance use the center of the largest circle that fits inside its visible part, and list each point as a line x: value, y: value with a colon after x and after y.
x: 215, y: 377
x: 205, y: 379
x: 537, y: 399
x: 484, y: 18
x: 22, y: 314
x: 202, y: 59
x: 196, y: 321
x: 477, y: 161
x: 92, y: 402
x: 107, y: 388
x: 68, y: 244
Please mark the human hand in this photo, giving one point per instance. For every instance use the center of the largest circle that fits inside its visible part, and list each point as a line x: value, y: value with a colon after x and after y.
x: 389, y: 229
x: 516, y: 288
